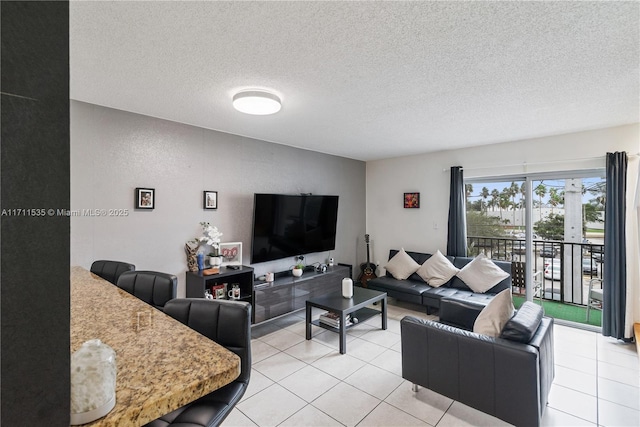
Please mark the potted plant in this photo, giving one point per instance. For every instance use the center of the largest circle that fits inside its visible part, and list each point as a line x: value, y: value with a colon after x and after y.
x: 211, y: 237
x: 215, y: 260
x: 298, y: 269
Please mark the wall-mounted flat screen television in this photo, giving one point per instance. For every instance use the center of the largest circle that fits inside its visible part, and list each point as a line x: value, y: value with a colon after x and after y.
x: 289, y: 225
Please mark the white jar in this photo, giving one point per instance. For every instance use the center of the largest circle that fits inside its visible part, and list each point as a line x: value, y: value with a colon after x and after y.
x: 347, y: 288
x: 93, y: 382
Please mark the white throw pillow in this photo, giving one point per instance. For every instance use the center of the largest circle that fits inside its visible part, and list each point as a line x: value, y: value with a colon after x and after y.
x: 481, y: 274
x: 495, y: 315
x: 401, y: 265
x: 437, y: 270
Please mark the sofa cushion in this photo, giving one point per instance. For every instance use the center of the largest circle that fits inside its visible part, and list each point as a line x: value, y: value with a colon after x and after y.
x: 460, y: 262
x: 437, y: 270
x: 462, y: 308
x: 419, y: 257
x: 524, y: 324
x: 481, y: 274
x: 413, y: 287
x: 495, y: 315
x: 402, y: 265
x: 459, y: 294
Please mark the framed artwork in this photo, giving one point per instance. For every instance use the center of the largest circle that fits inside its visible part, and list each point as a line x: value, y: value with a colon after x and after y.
x: 218, y: 292
x: 231, y: 253
x: 145, y: 198
x: 210, y: 200
x: 411, y: 200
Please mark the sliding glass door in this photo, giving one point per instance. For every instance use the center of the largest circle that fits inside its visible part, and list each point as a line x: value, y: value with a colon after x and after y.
x: 550, y: 226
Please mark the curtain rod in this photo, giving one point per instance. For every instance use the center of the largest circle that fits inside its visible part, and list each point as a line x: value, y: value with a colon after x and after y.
x: 525, y: 164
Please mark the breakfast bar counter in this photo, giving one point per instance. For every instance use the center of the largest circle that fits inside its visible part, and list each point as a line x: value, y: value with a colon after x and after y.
x: 161, y: 364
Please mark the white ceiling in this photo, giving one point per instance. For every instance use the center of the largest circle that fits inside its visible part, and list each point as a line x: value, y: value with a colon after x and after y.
x: 365, y: 80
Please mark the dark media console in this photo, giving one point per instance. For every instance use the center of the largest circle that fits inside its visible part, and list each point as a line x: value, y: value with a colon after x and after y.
x: 287, y: 293
x: 269, y: 300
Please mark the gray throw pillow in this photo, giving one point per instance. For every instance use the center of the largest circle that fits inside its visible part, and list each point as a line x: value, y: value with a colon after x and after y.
x: 524, y: 324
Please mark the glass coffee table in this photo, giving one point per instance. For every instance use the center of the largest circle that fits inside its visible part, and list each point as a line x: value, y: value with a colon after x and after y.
x: 347, y: 308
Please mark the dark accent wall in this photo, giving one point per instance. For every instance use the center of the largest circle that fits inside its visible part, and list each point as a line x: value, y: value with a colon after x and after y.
x: 34, y: 240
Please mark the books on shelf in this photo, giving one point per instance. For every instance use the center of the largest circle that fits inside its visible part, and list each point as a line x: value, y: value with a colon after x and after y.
x: 332, y: 319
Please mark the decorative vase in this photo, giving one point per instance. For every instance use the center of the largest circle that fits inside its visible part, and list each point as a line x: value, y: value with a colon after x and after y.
x: 215, y: 261
x: 192, y: 262
x: 93, y: 382
x: 200, y: 258
x: 297, y: 272
x: 347, y: 288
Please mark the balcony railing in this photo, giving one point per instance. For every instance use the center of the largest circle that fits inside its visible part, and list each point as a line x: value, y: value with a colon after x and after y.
x: 567, y: 267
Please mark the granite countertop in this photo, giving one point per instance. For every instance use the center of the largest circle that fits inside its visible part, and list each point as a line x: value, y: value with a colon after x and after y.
x: 162, y: 364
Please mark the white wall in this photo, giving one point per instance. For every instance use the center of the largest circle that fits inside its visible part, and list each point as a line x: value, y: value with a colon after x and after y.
x: 425, y: 229
x: 113, y: 152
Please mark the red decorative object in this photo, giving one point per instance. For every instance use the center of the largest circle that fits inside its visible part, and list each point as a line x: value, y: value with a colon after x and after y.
x: 411, y: 200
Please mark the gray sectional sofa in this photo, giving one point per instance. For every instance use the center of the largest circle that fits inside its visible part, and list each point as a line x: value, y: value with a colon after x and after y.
x: 463, y: 305
x: 508, y: 376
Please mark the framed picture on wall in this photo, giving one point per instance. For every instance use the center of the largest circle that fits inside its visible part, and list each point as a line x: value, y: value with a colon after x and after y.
x: 411, y: 200
x: 210, y: 200
x: 145, y: 198
x: 231, y: 253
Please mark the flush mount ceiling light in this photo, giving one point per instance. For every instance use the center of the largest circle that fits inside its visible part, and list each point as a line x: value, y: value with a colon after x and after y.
x: 256, y: 102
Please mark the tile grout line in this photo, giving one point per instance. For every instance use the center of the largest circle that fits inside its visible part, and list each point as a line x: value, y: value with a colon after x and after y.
x: 339, y: 380
x: 599, y: 382
x: 445, y: 412
x: 248, y: 417
x: 369, y: 413
x: 571, y: 415
x: 404, y: 382
x: 315, y: 407
x: 312, y: 405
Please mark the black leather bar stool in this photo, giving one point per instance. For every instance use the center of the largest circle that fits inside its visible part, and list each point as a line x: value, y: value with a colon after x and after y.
x: 229, y: 324
x: 111, y: 270
x: 152, y: 287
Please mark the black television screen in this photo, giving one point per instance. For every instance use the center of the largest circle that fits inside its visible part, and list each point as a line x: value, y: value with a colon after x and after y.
x: 289, y: 225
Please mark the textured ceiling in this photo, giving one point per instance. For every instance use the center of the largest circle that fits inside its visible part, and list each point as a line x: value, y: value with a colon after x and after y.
x: 365, y: 80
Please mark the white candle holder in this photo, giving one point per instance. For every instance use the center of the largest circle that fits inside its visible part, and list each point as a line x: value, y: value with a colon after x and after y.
x: 347, y: 288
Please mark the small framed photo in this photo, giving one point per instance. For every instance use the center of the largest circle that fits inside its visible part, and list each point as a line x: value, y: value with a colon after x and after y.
x: 145, y: 198
x: 411, y: 200
x: 218, y: 292
x: 231, y: 253
x: 210, y: 200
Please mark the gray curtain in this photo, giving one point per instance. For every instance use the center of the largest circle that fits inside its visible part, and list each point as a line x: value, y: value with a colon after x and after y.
x: 457, y: 237
x: 615, y: 255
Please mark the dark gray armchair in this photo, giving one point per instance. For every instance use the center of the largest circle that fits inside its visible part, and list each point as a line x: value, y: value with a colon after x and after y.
x: 152, y: 287
x: 507, y: 377
x: 111, y: 270
x: 229, y: 324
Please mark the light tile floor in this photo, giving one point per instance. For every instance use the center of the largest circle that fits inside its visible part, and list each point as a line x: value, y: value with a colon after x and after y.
x: 296, y: 382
